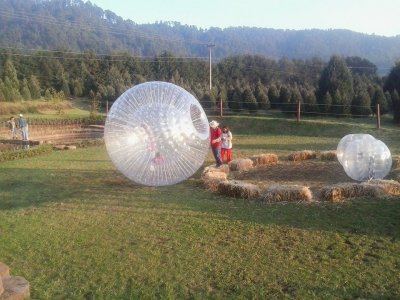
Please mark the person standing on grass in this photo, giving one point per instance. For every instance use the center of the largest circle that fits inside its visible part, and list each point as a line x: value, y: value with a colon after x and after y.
x: 23, y: 126
x: 215, y: 142
x: 226, y: 147
x: 13, y: 128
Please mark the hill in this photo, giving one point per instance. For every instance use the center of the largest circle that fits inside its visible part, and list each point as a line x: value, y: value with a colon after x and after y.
x: 77, y: 26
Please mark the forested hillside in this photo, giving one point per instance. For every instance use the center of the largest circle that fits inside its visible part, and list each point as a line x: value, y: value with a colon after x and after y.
x: 78, y: 26
x: 68, y: 48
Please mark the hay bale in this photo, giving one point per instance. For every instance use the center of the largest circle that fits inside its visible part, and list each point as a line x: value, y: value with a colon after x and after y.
x: 339, y: 192
x: 302, y: 155
x: 212, y: 176
x: 238, y: 189
x: 287, y: 193
x: 328, y: 155
x: 241, y: 164
x: 395, y: 161
x: 388, y: 187
x: 264, y: 159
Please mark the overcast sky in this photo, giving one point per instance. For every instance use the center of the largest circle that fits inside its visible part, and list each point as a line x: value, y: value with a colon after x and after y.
x: 380, y: 17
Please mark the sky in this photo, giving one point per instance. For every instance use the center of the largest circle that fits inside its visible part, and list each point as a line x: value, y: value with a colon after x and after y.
x: 379, y: 17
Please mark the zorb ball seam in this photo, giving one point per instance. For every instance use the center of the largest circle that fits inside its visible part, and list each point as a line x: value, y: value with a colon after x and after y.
x: 156, y: 134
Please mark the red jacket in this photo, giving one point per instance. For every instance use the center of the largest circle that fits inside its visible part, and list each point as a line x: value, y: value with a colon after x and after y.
x: 215, y: 134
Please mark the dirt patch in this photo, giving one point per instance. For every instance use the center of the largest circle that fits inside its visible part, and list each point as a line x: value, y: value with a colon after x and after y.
x: 312, y: 173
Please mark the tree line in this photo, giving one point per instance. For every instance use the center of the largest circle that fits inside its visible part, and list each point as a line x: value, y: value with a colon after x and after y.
x: 79, y: 25
x: 344, y: 86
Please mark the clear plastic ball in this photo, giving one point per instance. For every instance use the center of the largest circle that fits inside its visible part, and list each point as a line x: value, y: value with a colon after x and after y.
x: 365, y: 157
x: 346, y: 140
x: 157, y: 134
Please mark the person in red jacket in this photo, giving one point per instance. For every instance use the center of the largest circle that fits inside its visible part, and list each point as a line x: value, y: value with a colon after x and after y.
x: 215, y: 142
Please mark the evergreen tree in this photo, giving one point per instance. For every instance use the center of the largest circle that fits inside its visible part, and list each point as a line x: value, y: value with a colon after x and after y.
x: 25, y: 92
x: 325, y: 103
x: 337, y: 80
x: 284, y: 98
x: 250, y: 100
x: 273, y: 96
x: 396, y: 106
x: 379, y: 98
x: 34, y: 87
x: 392, y: 82
x: 389, y: 100
x: 361, y: 105
x: 261, y: 96
x: 310, y: 101
x: 235, y: 99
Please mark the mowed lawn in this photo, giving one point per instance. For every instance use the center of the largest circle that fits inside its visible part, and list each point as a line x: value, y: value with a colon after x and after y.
x: 73, y: 226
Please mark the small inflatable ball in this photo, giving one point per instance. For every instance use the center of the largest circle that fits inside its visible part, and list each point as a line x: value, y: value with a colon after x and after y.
x: 157, y: 134
x: 348, y: 139
x: 364, y: 157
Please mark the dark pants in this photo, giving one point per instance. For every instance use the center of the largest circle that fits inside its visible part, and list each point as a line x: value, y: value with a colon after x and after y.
x: 217, y: 155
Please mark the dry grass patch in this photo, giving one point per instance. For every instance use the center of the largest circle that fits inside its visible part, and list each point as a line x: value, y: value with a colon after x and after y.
x: 328, y: 155
x: 287, y: 193
x: 239, y: 189
x: 339, y: 192
x: 264, y: 159
x: 241, y: 164
x: 302, y: 155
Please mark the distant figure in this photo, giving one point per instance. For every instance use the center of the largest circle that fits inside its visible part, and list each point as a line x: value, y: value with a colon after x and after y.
x: 226, y: 147
x: 215, y: 142
x: 13, y: 128
x: 23, y: 126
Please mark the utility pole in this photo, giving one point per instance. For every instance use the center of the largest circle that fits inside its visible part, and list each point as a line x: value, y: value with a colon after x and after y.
x: 209, y: 59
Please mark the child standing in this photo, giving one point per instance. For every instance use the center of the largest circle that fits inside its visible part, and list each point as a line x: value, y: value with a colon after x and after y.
x: 226, y: 147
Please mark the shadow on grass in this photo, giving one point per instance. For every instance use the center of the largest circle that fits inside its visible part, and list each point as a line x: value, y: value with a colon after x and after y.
x: 24, y: 188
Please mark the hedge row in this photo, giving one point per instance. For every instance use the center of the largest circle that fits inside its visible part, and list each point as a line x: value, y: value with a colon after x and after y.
x: 24, y: 153
x: 59, y: 122
x: 42, y: 149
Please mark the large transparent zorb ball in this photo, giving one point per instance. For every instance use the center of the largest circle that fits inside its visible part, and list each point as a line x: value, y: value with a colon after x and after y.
x: 363, y: 157
x: 156, y: 134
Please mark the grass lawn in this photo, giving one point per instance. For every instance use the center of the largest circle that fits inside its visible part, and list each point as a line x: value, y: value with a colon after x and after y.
x: 75, y: 228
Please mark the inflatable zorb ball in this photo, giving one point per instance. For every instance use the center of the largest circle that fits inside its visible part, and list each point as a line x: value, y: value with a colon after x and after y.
x: 363, y: 157
x: 157, y: 134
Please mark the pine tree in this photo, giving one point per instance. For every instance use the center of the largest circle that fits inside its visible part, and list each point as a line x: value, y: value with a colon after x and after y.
x: 25, y: 92
x: 249, y: 100
x: 325, y: 103
x: 273, y: 96
x: 361, y: 105
x: 34, y: 87
x: 284, y: 98
x: 261, y: 96
x: 379, y: 98
x: 396, y: 106
x: 337, y: 80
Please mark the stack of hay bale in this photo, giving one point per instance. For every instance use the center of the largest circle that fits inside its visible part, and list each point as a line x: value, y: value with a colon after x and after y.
x: 12, y: 287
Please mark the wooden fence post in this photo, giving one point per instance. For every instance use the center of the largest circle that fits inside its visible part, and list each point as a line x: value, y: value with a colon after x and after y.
x: 378, y: 116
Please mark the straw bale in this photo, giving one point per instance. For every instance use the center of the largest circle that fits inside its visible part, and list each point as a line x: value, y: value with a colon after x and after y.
x: 238, y: 189
x: 241, y: 164
x: 264, y: 159
x: 212, y: 176
x: 214, y: 169
x: 395, y: 161
x: 302, y: 155
x: 388, y: 187
x: 328, y: 155
x: 339, y: 192
x: 287, y: 193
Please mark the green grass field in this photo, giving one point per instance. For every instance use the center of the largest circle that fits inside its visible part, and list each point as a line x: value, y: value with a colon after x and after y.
x: 77, y: 229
